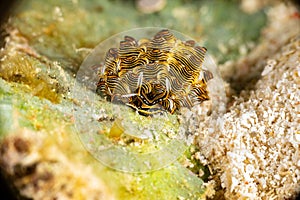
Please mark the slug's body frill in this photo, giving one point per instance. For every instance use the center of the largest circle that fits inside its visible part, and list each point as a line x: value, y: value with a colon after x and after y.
x: 152, y: 75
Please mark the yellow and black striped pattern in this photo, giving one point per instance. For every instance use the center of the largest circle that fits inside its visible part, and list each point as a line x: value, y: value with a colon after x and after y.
x: 163, y: 73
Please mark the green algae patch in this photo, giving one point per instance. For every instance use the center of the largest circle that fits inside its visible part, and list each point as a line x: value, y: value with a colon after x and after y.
x: 6, y: 116
x: 51, y: 126
x: 172, y: 182
x: 122, y: 139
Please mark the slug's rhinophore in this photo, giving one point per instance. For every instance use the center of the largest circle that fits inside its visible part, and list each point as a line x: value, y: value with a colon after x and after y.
x: 150, y: 75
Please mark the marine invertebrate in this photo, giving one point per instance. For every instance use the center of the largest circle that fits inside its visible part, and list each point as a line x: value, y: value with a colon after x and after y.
x: 150, y: 75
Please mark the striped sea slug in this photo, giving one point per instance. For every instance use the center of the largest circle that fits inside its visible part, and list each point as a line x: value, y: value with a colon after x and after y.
x: 151, y: 75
